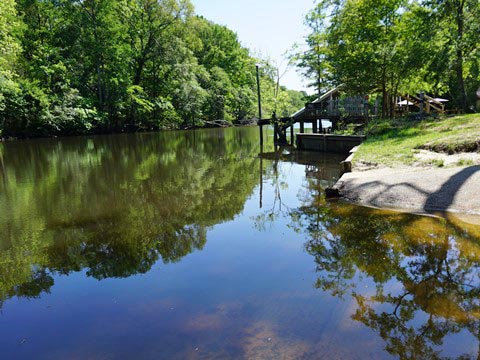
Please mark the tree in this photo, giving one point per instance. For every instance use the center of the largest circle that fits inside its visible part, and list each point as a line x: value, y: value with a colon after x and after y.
x: 395, y: 46
x: 10, y: 28
x: 458, y: 25
x: 313, y: 62
x: 89, y: 66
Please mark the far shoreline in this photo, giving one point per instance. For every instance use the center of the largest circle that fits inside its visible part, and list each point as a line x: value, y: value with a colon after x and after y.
x: 6, y: 139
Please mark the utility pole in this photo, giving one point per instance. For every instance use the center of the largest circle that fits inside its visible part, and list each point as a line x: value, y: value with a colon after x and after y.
x: 259, y: 107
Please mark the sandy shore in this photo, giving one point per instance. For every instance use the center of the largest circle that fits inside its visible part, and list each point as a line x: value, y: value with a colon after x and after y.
x: 413, y: 189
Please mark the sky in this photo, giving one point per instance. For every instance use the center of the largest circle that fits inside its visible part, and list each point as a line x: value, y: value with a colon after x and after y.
x: 267, y: 27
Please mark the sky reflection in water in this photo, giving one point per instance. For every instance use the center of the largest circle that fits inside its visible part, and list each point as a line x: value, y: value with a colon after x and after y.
x: 155, y: 246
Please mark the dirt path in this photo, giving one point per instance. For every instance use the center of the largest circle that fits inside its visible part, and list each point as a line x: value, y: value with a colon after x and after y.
x: 415, y: 189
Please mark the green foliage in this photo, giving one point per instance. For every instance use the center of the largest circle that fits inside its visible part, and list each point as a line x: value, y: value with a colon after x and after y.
x: 72, y: 67
x: 25, y: 108
x: 275, y: 98
x: 9, y: 31
x: 378, y: 127
x: 72, y: 115
x: 392, y: 47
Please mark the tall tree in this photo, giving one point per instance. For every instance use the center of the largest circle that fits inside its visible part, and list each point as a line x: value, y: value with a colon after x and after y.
x: 9, y: 31
x: 312, y: 61
x: 458, y: 25
x: 10, y: 28
x: 77, y: 66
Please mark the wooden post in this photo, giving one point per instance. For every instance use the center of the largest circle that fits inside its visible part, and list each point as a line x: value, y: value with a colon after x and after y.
x: 261, y: 181
x: 422, y: 102
x: 302, y: 126
x: 259, y: 107
x: 366, y: 108
x: 292, y: 134
x: 314, y: 126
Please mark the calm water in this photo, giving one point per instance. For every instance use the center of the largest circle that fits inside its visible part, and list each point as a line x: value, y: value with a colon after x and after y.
x: 188, y: 245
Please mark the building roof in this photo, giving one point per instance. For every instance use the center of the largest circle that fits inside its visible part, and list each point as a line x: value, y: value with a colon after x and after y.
x: 319, y: 99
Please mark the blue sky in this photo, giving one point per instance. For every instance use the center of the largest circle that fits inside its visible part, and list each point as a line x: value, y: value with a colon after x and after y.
x: 267, y: 27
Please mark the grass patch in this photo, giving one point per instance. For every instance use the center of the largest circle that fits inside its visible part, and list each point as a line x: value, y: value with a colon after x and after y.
x: 394, y: 142
x: 464, y: 162
x: 454, y: 144
x: 438, y: 163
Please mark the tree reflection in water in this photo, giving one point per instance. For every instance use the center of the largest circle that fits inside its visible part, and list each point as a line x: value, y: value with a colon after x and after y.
x: 113, y: 206
x: 425, y: 271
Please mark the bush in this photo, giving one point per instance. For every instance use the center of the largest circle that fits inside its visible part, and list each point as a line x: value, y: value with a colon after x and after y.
x: 378, y: 127
x: 24, y: 109
x: 71, y: 114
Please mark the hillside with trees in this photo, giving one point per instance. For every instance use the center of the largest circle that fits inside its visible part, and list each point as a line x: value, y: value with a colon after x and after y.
x: 85, y: 66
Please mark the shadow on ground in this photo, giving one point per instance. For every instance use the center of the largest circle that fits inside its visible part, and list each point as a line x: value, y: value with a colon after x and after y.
x: 438, y: 190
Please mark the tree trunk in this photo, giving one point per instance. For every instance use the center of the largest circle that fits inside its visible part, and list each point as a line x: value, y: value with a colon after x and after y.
x: 459, y: 56
x: 384, y: 90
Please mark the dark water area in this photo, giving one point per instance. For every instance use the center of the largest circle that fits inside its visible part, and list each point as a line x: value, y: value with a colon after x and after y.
x: 189, y: 245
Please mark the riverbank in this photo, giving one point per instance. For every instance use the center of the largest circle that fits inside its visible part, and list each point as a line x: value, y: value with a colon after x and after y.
x: 404, y: 142
x: 426, y: 167
x: 202, y: 125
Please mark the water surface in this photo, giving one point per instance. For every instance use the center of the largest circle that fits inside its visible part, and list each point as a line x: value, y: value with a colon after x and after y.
x: 191, y: 245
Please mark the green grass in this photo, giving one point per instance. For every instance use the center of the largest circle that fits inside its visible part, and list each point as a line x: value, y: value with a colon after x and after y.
x: 464, y: 162
x: 394, y: 142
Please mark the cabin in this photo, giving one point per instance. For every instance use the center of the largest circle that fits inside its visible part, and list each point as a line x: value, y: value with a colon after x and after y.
x: 337, y: 106
x: 332, y: 106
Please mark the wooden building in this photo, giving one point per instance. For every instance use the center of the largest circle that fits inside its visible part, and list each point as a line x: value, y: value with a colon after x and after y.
x: 333, y: 106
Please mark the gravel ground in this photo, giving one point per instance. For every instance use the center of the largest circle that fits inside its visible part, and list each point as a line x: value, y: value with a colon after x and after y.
x: 416, y: 189
x: 429, y: 157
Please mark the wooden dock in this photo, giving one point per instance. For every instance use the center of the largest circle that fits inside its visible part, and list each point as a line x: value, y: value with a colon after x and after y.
x: 330, y: 106
x: 340, y: 144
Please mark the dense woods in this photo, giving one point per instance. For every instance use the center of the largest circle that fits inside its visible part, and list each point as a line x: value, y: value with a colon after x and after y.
x: 81, y: 66
x: 86, y: 66
x: 392, y: 47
